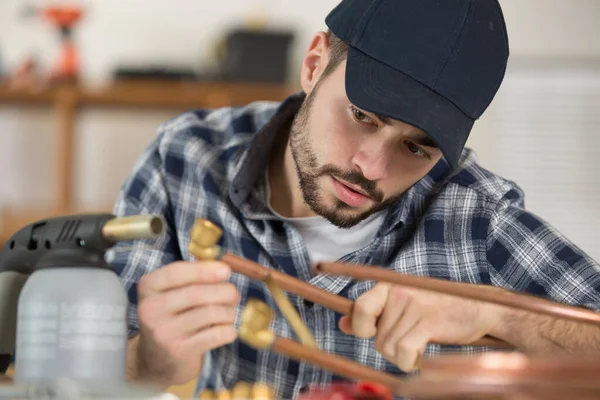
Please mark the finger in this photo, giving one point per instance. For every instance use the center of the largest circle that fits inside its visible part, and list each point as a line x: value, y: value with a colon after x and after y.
x: 211, y: 338
x: 184, y: 273
x: 195, y: 320
x: 367, y: 309
x: 188, y: 297
x: 410, y: 347
x: 392, y: 313
x: 407, y: 321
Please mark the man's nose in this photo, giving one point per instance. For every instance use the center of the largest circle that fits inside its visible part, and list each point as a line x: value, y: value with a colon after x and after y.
x: 374, y: 158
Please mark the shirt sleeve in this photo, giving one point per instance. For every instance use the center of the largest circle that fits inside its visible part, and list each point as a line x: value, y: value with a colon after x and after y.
x: 144, y: 192
x: 527, y: 254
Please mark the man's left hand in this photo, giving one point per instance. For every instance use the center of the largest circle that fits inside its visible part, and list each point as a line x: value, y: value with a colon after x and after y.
x: 404, y: 320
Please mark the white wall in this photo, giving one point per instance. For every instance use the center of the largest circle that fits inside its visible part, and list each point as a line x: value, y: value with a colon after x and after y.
x: 183, y: 32
x: 178, y: 32
x: 544, y: 29
x: 168, y: 32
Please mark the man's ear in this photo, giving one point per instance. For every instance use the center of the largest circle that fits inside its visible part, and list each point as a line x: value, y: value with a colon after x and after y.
x: 314, y: 62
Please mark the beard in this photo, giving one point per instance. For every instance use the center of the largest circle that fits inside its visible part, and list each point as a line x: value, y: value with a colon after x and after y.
x: 309, y: 172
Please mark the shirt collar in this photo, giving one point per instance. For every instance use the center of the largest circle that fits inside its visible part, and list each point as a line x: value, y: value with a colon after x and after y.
x: 256, y: 158
x: 401, y: 212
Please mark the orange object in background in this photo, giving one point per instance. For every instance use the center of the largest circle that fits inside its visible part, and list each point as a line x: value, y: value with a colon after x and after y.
x: 65, y: 18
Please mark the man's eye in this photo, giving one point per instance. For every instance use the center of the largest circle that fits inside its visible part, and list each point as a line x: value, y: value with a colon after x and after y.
x: 360, y: 116
x: 413, y: 148
x: 417, y: 150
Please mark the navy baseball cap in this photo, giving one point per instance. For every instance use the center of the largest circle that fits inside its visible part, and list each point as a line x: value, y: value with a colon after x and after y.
x: 434, y: 64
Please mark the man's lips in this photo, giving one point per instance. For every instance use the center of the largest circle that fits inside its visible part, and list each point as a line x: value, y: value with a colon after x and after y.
x: 352, y: 187
x: 349, y: 195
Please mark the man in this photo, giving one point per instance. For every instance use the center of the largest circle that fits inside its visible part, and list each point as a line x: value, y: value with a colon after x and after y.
x: 367, y: 165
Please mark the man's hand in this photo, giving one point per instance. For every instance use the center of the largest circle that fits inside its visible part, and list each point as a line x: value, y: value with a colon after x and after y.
x: 185, y: 310
x: 404, y: 320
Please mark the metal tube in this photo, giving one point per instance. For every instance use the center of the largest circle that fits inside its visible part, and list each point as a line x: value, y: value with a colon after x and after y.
x: 490, y: 294
x: 134, y: 227
x: 340, y: 365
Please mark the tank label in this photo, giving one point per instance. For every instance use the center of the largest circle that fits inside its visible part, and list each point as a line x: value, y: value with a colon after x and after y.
x: 44, y: 328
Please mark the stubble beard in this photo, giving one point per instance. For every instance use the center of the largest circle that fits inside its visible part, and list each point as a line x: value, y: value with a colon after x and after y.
x: 308, y: 171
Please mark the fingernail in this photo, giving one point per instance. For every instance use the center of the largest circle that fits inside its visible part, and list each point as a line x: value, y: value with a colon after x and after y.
x: 418, y: 362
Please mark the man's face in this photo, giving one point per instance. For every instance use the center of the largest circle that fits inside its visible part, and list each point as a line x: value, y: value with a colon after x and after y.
x: 350, y: 162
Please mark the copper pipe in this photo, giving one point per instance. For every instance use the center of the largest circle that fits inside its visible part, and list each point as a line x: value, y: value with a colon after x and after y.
x: 290, y: 284
x: 205, y: 235
x: 203, y: 246
x: 316, y: 295
x: 290, y: 313
x: 501, y: 376
x: 339, y: 365
x: 506, y: 376
x: 422, y: 388
x: 576, y: 369
x: 254, y: 331
x: 488, y: 294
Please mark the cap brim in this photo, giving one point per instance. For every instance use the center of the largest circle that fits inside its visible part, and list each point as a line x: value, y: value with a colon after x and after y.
x: 378, y: 88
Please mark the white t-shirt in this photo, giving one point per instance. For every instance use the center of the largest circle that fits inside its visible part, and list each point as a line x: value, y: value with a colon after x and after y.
x: 327, y: 242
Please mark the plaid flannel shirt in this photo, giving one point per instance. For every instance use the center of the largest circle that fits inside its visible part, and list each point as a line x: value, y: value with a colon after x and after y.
x: 467, y: 225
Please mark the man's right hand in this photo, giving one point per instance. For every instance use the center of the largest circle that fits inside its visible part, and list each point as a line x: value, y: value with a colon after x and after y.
x: 185, y: 309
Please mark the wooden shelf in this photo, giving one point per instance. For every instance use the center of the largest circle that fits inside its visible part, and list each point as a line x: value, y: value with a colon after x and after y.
x: 159, y: 94
x: 23, y: 96
x: 67, y: 100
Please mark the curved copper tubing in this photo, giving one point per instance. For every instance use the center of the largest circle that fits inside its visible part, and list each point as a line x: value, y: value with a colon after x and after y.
x: 491, y: 376
x: 489, y: 294
x: 290, y: 284
x: 204, y: 237
x: 253, y: 330
x: 577, y: 369
x: 422, y: 388
x: 316, y: 295
x: 339, y: 365
x: 506, y: 376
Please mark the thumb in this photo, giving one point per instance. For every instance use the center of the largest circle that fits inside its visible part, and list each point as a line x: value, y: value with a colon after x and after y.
x: 367, y: 309
x: 345, y: 325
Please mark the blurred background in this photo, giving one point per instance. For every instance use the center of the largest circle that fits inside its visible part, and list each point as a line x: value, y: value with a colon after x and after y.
x: 85, y: 85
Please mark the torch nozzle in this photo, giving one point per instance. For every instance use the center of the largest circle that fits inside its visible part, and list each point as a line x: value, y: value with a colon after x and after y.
x: 134, y: 227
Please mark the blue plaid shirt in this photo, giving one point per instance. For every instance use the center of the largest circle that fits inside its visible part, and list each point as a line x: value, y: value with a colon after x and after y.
x: 468, y: 225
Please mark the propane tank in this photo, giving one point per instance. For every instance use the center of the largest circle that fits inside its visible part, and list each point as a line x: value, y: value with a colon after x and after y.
x: 71, y: 319
x: 72, y: 322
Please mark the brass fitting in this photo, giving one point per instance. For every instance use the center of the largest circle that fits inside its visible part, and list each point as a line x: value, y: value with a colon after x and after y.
x: 206, y: 233
x: 203, y: 240
x: 254, y: 325
x: 204, y: 253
